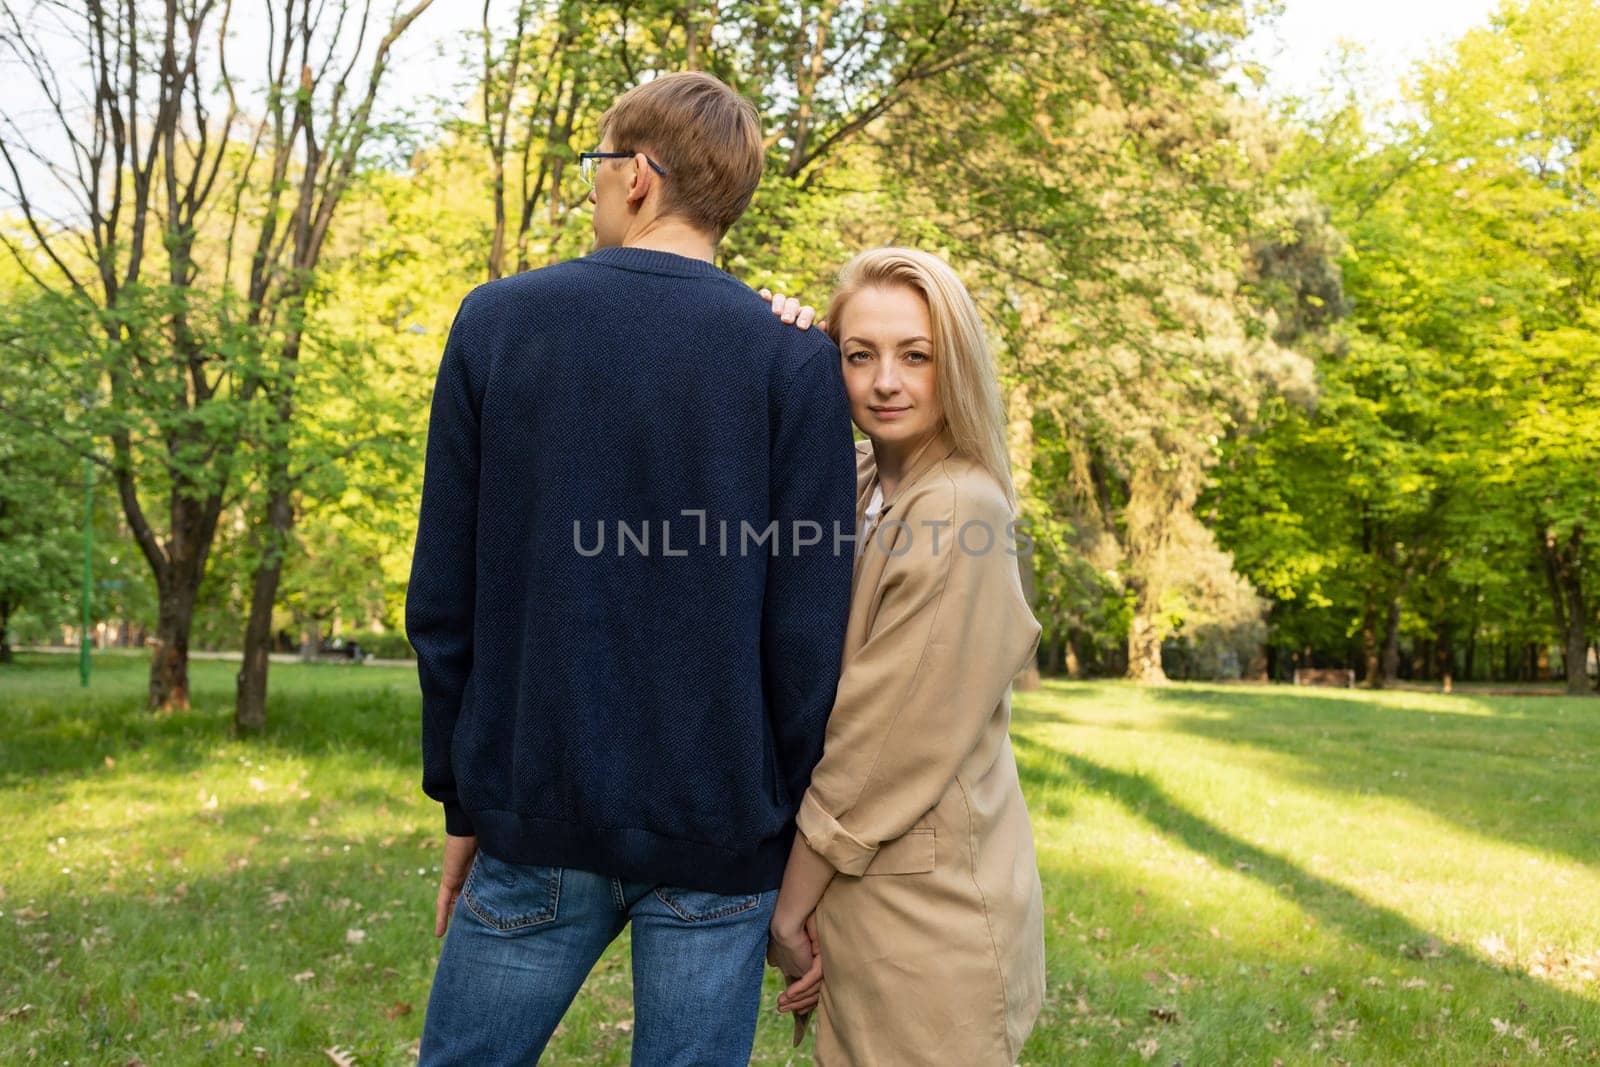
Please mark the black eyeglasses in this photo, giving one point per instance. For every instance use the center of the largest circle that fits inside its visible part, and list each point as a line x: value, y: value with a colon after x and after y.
x: 587, y: 161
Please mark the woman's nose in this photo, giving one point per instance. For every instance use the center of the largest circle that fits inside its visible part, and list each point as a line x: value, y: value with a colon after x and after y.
x: 887, y: 380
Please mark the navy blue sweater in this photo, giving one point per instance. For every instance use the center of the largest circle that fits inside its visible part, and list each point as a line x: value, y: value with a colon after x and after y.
x: 645, y: 700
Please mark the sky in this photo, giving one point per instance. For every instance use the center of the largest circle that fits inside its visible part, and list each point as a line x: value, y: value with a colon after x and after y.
x: 1393, y: 34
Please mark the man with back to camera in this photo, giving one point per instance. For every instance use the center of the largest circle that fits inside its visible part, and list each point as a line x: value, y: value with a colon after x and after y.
x: 620, y: 728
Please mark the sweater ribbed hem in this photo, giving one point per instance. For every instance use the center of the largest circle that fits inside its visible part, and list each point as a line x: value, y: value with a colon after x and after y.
x: 652, y: 261
x: 456, y: 822
x: 632, y: 854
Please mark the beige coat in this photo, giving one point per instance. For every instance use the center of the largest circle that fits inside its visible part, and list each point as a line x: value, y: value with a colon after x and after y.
x: 932, y: 933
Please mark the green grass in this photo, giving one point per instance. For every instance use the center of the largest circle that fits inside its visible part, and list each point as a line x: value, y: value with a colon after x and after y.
x: 1232, y: 875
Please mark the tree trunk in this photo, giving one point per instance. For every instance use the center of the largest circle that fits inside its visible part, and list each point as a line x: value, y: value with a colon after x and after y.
x: 1444, y: 656
x: 1074, y: 659
x: 1563, y: 568
x: 5, y: 633
x: 1373, y: 675
x: 169, y: 659
x: 1144, y: 647
x: 1577, y: 651
x: 250, y: 704
x: 1391, y: 643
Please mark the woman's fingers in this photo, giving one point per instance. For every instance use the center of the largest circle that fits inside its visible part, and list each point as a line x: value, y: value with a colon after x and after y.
x: 803, y: 988
x: 805, y: 1004
x: 789, y: 309
x: 801, y: 1005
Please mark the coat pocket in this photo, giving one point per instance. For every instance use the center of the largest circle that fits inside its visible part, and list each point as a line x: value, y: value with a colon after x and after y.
x: 910, y: 853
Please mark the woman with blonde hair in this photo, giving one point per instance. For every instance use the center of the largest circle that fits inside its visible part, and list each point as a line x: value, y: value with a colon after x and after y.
x: 913, y: 873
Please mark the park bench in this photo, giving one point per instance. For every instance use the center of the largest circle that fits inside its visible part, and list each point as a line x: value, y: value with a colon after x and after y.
x: 1343, y: 677
x: 338, y: 648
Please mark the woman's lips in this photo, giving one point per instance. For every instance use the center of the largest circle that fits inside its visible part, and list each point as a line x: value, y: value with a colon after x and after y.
x: 888, y: 413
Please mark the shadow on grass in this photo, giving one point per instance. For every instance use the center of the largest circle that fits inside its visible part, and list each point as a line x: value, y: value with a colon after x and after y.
x: 55, y: 730
x: 1517, y: 775
x: 1048, y: 774
x: 334, y: 949
x: 1376, y: 927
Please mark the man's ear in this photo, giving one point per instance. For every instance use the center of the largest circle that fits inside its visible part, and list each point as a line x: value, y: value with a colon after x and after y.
x: 643, y: 178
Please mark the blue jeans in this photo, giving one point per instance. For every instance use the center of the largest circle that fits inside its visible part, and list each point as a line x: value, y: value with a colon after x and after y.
x: 522, y: 939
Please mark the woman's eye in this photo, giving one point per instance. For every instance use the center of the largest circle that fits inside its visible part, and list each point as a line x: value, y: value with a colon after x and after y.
x: 916, y: 357
x: 859, y: 357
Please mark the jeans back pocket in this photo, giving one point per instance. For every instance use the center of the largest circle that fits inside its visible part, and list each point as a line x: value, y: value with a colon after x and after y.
x: 699, y: 905
x: 511, y: 896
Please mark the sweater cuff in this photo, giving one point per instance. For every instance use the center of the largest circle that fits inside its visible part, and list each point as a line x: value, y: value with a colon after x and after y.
x: 847, y: 853
x: 456, y: 823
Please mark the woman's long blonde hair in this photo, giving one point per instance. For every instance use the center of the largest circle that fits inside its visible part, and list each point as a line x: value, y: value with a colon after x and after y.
x: 968, y: 391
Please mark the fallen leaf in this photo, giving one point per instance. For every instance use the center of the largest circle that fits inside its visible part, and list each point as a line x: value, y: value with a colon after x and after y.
x: 1494, y: 946
x: 342, y: 1057
x: 397, y: 1009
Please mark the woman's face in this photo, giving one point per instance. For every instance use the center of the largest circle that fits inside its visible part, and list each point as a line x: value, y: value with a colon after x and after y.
x: 890, y: 367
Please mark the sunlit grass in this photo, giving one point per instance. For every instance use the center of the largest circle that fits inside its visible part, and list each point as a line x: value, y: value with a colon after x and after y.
x: 1233, y: 875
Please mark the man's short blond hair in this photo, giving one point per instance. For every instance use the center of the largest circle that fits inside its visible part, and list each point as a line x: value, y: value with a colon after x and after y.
x: 705, y: 136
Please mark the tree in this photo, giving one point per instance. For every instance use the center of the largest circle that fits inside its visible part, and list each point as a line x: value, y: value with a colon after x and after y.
x: 141, y: 173
x: 42, y: 453
x: 313, y: 137
x: 1442, y: 484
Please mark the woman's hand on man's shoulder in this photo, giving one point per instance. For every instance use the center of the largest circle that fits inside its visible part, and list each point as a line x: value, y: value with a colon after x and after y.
x: 790, y: 310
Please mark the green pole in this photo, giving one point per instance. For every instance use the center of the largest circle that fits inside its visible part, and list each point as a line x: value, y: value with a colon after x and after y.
x: 88, y: 547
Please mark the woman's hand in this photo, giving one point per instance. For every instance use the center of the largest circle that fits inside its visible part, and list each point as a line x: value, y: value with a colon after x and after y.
x: 789, y: 949
x: 803, y: 994
x: 789, y: 309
